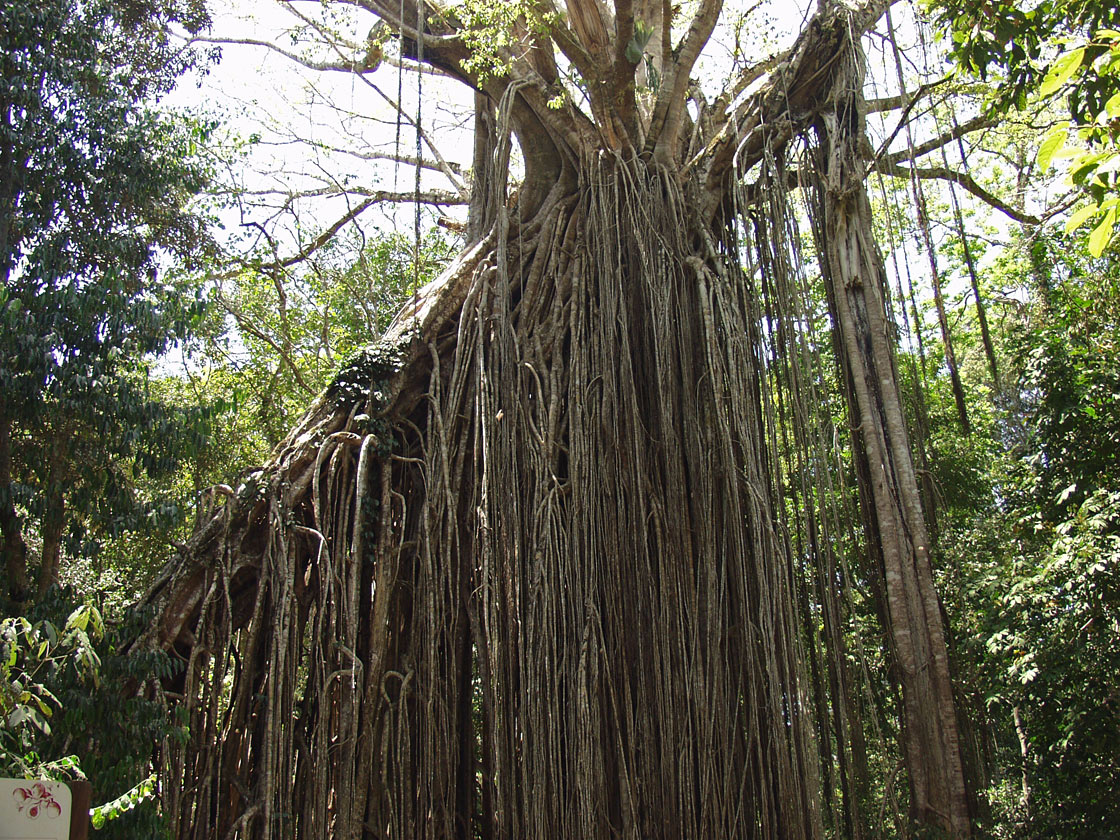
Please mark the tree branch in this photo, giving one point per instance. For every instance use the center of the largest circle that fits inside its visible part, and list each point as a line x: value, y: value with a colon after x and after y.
x: 961, y: 179
x: 406, y: 160
x: 904, y: 99
x: 935, y: 143
x: 348, y: 66
x: 664, y: 125
x: 749, y: 76
x: 357, y: 68
x: 246, y: 325
x: 439, y: 198
x: 436, y: 197
x: 790, y: 99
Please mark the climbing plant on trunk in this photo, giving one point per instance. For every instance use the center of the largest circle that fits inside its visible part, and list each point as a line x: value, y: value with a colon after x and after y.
x: 526, y: 568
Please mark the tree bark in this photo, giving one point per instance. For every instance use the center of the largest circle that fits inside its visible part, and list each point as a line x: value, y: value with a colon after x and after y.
x: 1025, y: 757
x: 53, y: 521
x: 856, y: 285
x: 553, y: 493
x: 11, y: 528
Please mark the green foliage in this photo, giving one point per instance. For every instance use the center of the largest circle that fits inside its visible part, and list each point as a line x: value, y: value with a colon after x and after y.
x: 71, y: 707
x: 1037, y: 575
x: 1061, y: 643
x: 29, y: 655
x: 277, y: 340
x: 1062, y: 639
x: 1015, y: 42
x: 487, y: 29
x: 1037, y: 581
x: 1095, y: 161
x: 1070, y: 357
x: 1058, y: 48
x: 98, y: 231
x: 124, y: 803
x: 96, y: 204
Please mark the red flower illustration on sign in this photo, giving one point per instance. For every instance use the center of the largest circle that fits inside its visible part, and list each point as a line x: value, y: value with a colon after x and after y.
x: 37, y: 799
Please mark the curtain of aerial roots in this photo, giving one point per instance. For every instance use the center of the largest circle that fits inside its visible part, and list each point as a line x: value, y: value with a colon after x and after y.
x: 572, y: 591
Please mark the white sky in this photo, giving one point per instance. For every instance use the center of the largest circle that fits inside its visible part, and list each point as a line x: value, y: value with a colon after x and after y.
x: 303, y: 117
x: 312, y: 125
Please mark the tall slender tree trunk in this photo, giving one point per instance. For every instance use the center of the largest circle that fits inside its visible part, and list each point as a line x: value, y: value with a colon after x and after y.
x: 11, y: 528
x: 1025, y: 757
x: 53, y: 521
x: 856, y: 285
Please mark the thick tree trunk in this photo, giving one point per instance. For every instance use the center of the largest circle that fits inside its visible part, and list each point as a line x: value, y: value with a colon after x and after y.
x: 568, y: 524
x: 11, y: 528
x: 53, y: 521
x: 856, y: 282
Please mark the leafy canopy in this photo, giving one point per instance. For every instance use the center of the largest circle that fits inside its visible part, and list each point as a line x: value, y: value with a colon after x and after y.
x: 96, y: 203
x: 1057, y: 49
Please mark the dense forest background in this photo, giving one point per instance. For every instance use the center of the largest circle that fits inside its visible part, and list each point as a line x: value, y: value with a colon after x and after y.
x: 165, y: 319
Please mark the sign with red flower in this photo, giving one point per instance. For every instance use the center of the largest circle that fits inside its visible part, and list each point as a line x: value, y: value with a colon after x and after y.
x: 34, y: 810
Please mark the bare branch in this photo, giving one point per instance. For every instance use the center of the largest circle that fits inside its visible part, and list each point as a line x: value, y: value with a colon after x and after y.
x: 960, y: 178
x: 444, y: 166
x: 342, y: 66
x: 750, y: 75
x: 904, y: 99
x: 390, y: 157
x: 904, y: 119
x: 935, y: 143
x: 441, y: 198
x: 438, y: 198
x: 246, y: 325
x: 452, y: 175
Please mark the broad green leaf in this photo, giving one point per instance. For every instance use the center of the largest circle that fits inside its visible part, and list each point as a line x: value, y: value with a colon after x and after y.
x: 1102, y: 233
x: 1080, y: 217
x: 1111, y: 163
x: 642, y: 32
x: 1112, y: 107
x: 38, y: 720
x: 1061, y: 72
x: 1051, y: 145
x: 79, y: 618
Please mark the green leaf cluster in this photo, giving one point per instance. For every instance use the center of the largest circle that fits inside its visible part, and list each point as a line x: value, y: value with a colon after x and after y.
x: 98, y: 226
x: 1013, y: 44
x: 1037, y: 564
x: 73, y: 705
x: 1057, y: 48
